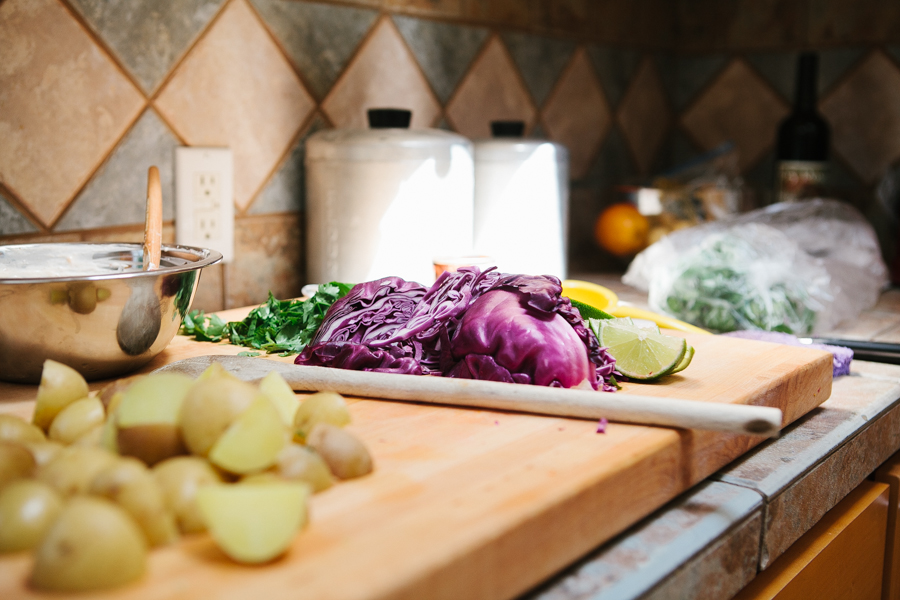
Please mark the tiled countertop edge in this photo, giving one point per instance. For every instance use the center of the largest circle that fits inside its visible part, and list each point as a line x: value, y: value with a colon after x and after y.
x: 711, y: 541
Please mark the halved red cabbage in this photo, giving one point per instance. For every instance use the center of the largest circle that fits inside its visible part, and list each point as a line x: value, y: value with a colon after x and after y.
x: 469, y: 324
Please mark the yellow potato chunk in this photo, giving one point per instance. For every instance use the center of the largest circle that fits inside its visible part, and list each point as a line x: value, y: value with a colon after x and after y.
x: 299, y: 463
x: 254, y: 523
x: 16, y: 462
x: 179, y: 479
x: 73, y: 469
x: 321, y: 407
x: 27, y: 508
x: 252, y: 442
x: 210, y: 407
x: 92, y: 545
x: 148, y: 417
x: 15, y: 429
x: 60, y: 386
x: 282, y: 396
x: 76, y: 419
x: 129, y: 483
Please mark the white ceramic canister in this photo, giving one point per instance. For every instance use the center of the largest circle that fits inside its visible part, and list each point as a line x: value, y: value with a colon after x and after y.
x: 521, y: 202
x: 386, y: 200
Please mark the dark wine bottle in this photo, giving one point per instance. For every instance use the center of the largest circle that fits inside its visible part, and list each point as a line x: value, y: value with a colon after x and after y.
x: 803, y: 139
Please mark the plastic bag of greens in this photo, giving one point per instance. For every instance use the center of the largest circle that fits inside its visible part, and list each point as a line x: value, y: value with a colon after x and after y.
x: 797, y: 268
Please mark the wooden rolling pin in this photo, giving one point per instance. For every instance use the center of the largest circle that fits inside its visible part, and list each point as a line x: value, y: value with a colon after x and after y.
x: 584, y: 404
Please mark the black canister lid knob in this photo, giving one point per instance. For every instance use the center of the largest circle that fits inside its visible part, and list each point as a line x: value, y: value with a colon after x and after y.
x: 508, y: 129
x: 389, y: 118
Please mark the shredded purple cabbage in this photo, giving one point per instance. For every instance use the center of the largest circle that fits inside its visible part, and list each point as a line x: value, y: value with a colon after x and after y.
x: 470, y: 324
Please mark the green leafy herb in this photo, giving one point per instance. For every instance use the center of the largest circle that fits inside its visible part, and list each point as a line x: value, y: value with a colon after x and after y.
x: 720, y: 288
x: 284, y: 326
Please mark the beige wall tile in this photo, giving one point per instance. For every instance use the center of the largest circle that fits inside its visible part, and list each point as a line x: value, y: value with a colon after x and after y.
x: 864, y: 113
x: 644, y: 115
x: 236, y: 89
x: 268, y: 256
x: 491, y: 91
x: 740, y: 107
x: 577, y: 114
x: 63, y: 105
x: 384, y: 74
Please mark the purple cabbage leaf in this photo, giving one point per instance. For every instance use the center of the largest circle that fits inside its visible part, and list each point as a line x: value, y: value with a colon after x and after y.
x: 470, y: 324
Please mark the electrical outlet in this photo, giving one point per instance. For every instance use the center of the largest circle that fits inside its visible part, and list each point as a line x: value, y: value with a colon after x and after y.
x: 204, y: 201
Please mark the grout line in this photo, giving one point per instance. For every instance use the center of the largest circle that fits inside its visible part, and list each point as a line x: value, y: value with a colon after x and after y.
x: 350, y: 62
x: 15, y: 200
x: 107, y: 49
x: 421, y: 71
x: 303, y: 130
x: 97, y: 166
x: 189, y: 49
x: 295, y: 68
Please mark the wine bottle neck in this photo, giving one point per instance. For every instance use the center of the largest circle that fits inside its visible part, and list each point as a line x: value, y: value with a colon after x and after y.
x: 807, y: 72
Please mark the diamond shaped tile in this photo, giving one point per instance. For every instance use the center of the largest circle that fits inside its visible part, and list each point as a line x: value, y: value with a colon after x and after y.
x: 444, y: 51
x: 644, y: 115
x: 780, y: 68
x: 577, y: 114
x: 12, y: 222
x: 116, y: 194
x: 740, y: 107
x: 692, y: 74
x: 383, y: 74
x: 64, y: 104
x: 318, y: 38
x: 236, y: 89
x: 615, y: 68
x: 541, y: 61
x: 864, y: 113
x: 148, y: 36
x: 286, y: 191
x: 492, y: 90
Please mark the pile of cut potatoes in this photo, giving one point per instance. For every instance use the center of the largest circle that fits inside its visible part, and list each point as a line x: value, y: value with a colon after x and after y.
x: 96, y: 479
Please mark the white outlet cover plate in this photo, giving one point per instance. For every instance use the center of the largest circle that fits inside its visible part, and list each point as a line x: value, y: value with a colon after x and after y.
x: 204, y: 199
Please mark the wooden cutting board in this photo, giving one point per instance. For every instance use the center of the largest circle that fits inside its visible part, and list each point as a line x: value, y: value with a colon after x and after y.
x: 477, y: 504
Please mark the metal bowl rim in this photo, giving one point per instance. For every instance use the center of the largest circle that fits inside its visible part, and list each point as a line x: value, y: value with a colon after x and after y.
x: 207, y: 257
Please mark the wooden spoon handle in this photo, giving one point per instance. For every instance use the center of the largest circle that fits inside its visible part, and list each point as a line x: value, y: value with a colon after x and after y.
x: 153, y: 221
x: 583, y: 404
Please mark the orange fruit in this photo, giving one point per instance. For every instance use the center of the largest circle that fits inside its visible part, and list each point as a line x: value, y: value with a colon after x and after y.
x: 621, y: 229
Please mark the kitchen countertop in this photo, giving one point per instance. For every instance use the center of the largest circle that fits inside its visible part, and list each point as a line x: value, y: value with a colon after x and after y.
x: 712, y: 540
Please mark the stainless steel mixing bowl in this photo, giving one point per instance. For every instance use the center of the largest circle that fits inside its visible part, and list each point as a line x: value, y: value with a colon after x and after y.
x: 105, y: 323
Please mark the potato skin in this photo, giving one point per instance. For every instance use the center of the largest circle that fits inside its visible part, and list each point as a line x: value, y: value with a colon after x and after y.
x: 92, y: 545
x: 346, y: 455
x: 16, y: 462
x: 151, y: 443
x: 210, y: 407
x: 16, y: 430
x: 27, y: 509
x: 179, y: 479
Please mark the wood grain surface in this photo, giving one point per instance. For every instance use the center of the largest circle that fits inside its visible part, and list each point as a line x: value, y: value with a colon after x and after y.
x: 469, y: 503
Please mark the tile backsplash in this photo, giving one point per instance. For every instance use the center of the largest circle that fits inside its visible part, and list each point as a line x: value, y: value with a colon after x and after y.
x: 93, y: 92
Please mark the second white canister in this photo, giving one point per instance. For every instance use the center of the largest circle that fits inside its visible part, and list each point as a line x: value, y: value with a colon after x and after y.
x: 522, y: 202
x: 386, y: 200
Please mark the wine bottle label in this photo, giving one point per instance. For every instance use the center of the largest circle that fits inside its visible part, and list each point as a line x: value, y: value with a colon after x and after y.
x: 800, y: 179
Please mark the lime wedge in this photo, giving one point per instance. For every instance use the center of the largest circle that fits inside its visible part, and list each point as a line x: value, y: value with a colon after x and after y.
x: 590, y: 312
x: 684, y: 361
x: 641, y: 354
